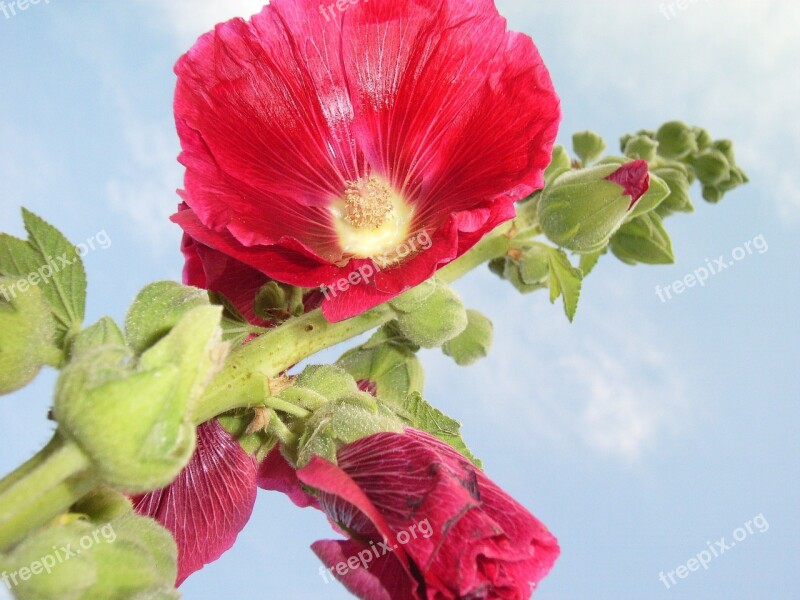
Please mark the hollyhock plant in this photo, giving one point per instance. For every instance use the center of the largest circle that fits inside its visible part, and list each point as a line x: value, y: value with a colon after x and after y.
x: 422, y: 522
x: 342, y: 169
x: 360, y: 154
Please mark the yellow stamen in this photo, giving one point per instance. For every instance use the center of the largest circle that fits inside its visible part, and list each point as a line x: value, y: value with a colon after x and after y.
x: 371, y: 219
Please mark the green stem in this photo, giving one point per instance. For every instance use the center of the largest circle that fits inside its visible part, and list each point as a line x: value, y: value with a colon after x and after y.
x: 38, y: 490
x: 45, y: 508
x: 283, y: 347
x: 58, y: 476
x: 30, y: 465
x: 287, y: 407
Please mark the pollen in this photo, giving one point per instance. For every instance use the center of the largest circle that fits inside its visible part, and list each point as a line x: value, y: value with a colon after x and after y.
x: 368, y: 203
x: 371, y: 219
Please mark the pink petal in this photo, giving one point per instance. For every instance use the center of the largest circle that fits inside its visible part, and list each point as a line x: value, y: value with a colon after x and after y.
x: 209, y: 503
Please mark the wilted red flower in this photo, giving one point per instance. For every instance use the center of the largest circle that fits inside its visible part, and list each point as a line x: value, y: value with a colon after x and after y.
x: 422, y: 521
x: 212, y: 499
x: 209, y: 503
x: 364, y: 150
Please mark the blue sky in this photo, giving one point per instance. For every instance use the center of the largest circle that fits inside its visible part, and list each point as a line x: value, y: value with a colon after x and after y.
x: 639, y: 433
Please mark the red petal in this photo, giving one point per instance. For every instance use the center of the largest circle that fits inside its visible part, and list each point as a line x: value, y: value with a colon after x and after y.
x: 209, y: 503
x: 381, y: 578
x: 449, y: 105
x: 634, y: 177
x: 276, y: 115
x: 276, y: 474
x: 480, y: 537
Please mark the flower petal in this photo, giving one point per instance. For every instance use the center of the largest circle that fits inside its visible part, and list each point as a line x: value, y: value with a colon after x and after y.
x: 381, y: 578
x: 209, y: 503
x: 276, y: 474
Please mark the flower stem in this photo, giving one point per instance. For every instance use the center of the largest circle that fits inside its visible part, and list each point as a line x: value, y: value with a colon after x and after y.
x: 41, y: 489
x: 281, y: 348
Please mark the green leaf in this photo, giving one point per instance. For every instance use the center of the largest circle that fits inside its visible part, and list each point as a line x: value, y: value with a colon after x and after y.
x: 49, y: 261
x: 473, y: 343
x: 565, y: 281
x: 589, y: 261
x: 419, y: 414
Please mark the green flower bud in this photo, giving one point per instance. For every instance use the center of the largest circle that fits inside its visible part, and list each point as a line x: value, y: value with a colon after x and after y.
x: 641, y: 147
x: 157, y: 309
x: 134, y: 418
x: 27, y: 335
x: 415, y: 297
x: 83, y: 560
x: 712, y: 194
x: 473, y: 343
x: 103, y: 333
x: 392, y: 368
x: 703, y: 137
x: 679, y: 199
x: 676, y: 140
x: 712, y: 167
x: 588, y: 146
x: 346, y: 416
x: 440, y: 318
x: 643, y: 240
x: 655, y: 195
x: 534, y: 265
x: 583, y: 209
x: 561, y: 163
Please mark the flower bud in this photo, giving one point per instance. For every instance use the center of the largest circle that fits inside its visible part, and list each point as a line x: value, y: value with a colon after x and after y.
x: 27, y: 335
x: 473, y: 343
x: 643, y: 240
x: 676, y: 140
x: 75, y: 558
x: 157, y: 309
x: 560, y: 163
x: 588, y: 146
x: 438, y: 319
x: 133, y: 418
x: 392, y: 368
x: 679, y: 199
x: 641, y: 147
x: 583, y: 209
x: 347, y: 415
x: 712, y: 167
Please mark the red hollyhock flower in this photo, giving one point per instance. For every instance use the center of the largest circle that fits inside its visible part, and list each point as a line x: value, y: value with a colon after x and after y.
x: 363, y: 150
x: 422, y: 522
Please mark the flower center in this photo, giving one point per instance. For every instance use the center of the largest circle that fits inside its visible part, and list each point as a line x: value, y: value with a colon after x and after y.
x: 371, y: 219
x: 368, y: 203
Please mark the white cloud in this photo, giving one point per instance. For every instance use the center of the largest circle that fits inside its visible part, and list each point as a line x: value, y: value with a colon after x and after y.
x: 730, y: 65
x: 186, y: 20
x: 145, y: 190
x: 602, y: 385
